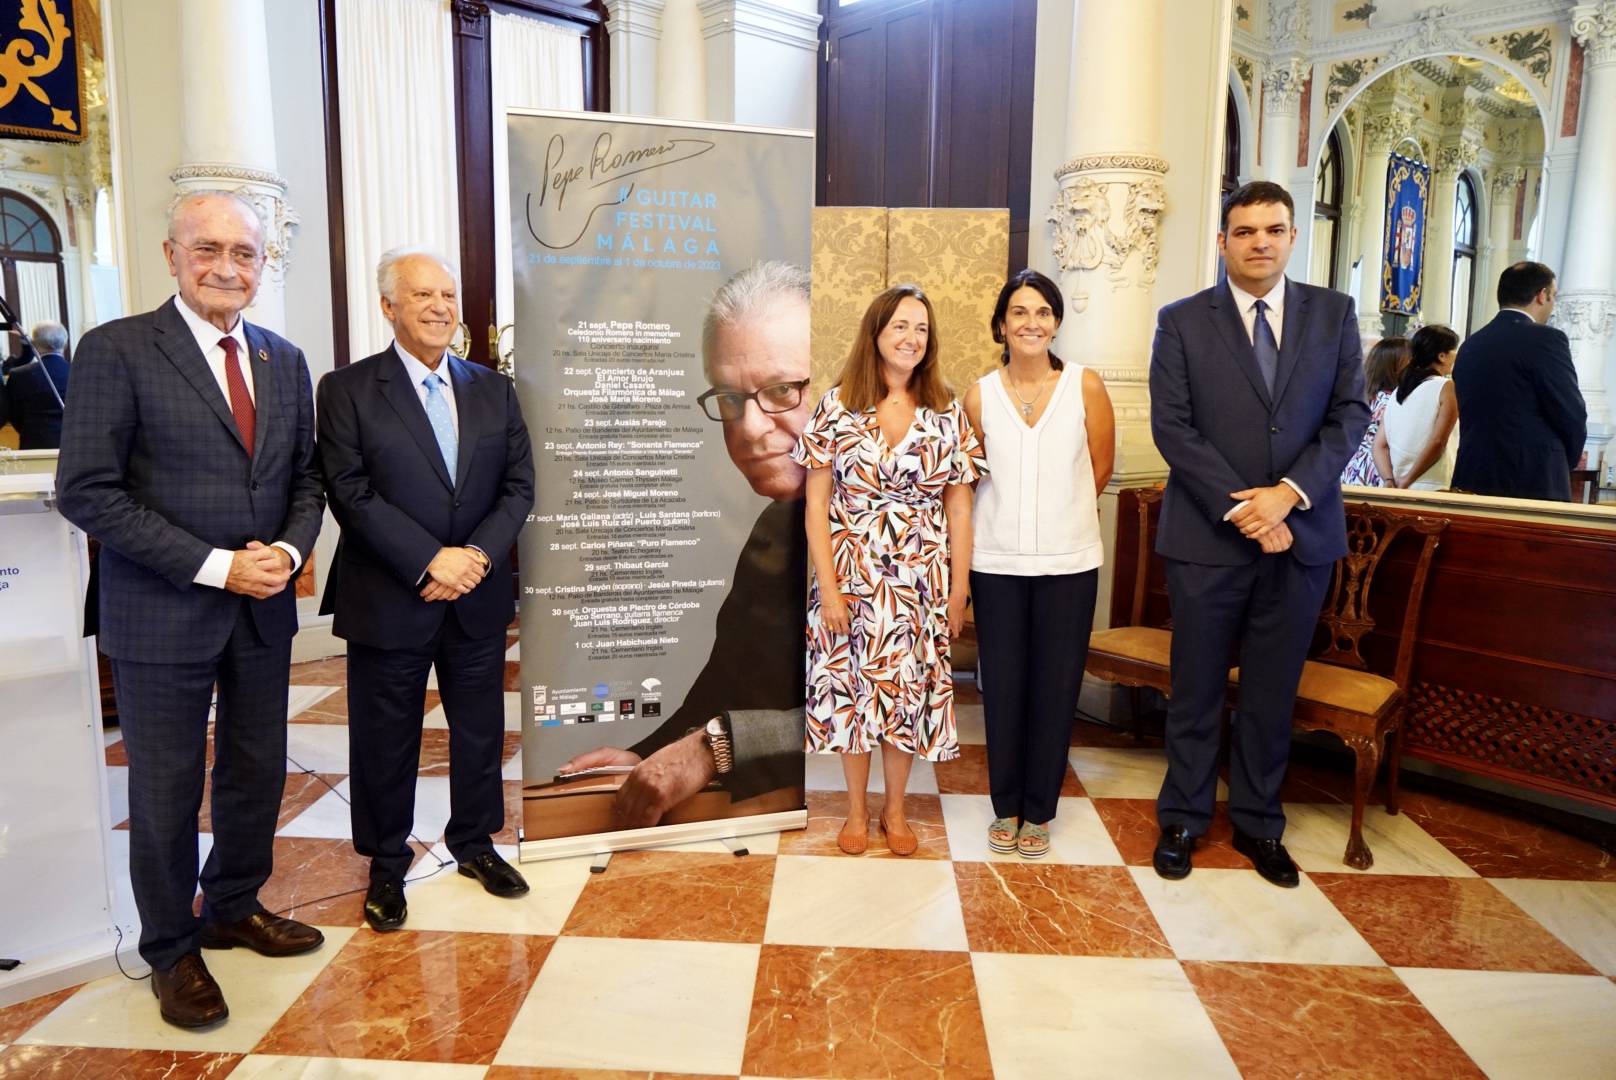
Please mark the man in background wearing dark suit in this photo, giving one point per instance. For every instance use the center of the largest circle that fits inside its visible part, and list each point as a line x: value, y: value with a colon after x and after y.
x: 1256, y: 401
x: 1522, y: 420
x: 430, y: 474
x: 39, y: 390
x: 188, y: 452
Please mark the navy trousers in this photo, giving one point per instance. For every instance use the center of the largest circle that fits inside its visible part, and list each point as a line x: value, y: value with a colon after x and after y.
x: 1032, y: 642
x: 163, y: 710
x: 1267, y: 609
x: 386, y: 703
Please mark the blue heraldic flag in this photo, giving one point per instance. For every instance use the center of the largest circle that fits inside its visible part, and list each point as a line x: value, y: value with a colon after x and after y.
x: 41, y: 95
x: 1408, y: 188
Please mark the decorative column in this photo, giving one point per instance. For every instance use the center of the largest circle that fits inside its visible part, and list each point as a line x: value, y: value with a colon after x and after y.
x: 1436, y: 298
x: 1587, y: 304
x: 635, y: 29
x: 762, y: 62
x: 1381, y: 132
x: 1505, y: 188
x: 1106, y: 215
x: 227, y: 129
x: 1282, y: 93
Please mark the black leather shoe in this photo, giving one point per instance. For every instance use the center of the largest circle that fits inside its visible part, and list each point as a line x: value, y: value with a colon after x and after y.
x: 384, y: 906
x: 1270, y: 858
x: 498, y: 876
x: 265, y: 934
x: 1172, y: 856
x: 186, y: 994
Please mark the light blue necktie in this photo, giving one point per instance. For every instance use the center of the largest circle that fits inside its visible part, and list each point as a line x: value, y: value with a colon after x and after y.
x: 1264, y: 345
x: 437, y: 411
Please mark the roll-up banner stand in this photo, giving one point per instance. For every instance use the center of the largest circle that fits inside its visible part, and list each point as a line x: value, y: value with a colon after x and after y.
x: 663, y: 568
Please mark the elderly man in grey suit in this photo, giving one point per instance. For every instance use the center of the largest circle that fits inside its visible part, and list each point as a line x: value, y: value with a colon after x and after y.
x: 188, y: 451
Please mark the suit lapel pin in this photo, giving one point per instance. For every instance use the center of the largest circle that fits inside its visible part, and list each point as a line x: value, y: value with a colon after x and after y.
x: 263, y: 355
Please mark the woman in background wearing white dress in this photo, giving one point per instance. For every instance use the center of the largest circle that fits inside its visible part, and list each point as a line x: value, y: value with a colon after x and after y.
x: 1414, y: 447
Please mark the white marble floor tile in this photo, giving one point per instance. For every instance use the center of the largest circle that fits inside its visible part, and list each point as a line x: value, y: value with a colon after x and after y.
x: 1114, y: 773
x: 268, y: 1067
x: 116, y: 1011
x: 322, y: 748
x: 1095, y: 1016
x: 1236, y: 915
x: 968, y: 723
x: 1077, y: 835
x: 449, y: 901
x: 513, y: 712
x: 1580, y: 913
x: 117, y: 794
x: 823, y: 772
x: 328, y: 817
x: 108, y: 737
x: 513, y: 655
x: 865, y: 903
x: 1524, y: 1026
x: 1316, y: 837
x: 299, y: 698
x: 608, y: 1003
x: 512, y: 769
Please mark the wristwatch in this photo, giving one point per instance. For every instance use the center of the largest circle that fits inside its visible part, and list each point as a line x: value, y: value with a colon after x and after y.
x: 718, y: 740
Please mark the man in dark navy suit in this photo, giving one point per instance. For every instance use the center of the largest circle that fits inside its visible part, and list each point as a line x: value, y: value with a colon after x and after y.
x: 1522, y: 419
x: 39, y: 390
x: 430, y: 474
x: 1257, y: 402
x: 188, y: 452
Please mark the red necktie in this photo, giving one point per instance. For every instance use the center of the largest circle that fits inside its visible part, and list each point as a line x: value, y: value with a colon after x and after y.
x: 241, y: 403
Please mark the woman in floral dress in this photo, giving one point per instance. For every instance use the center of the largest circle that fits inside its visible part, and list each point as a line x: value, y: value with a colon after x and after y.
x: 1382, y: 368
x: 890, y: 456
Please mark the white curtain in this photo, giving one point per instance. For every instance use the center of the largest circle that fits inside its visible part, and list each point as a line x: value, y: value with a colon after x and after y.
x: 39, y: 297
x: 395, y: 80
x: 535, y: 65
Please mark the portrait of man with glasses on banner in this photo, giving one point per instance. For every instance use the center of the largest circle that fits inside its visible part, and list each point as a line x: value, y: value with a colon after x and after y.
x: 742, y: 722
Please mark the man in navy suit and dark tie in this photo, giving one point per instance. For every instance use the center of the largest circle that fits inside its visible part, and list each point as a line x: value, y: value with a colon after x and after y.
x: 39, y: 390
x: 1522, y: 419
x: 188, y: 452
x: 1257, y: 402
x: 430, y: 474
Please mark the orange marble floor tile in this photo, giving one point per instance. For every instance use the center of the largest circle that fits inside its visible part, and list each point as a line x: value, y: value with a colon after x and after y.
x: 332, y: 671
x: 320, y: 881
x: 513, y: 814
x: 865, y: 1013
x: 1133, y: 828
x: 966, y: 693
x: 331, y: 709
x: 513, y: 676
x: 302, y: 791
x: 676, y: 896
x: 1309, y: 783
x: 413, y: 995
x: 968, y: 774
x: 1495, y: 843
x: 17, y: 1019
x: 1439, y: 922
x: 827, y: 813
x: 1281, y: 1021
x: 99, y: 1063
x: 533, y: 1072
x: 1088, y: 733
x: 1056, y: 909
x: 435, y: 752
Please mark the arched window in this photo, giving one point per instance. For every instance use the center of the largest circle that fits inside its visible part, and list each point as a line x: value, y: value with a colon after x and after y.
x: 1231, y: 145
x: 1464, y: 255
x: 30, y: 263
x: 1327, y: 214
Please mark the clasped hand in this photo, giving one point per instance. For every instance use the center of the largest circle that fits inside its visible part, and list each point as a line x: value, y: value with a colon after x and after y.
x: 1262, y: 518
x: 258, y: 570
x: 452, y: 573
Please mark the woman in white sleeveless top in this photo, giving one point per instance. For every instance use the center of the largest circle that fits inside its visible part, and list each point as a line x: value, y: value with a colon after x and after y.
x: 1414, y: 444
x: 1050, y: 438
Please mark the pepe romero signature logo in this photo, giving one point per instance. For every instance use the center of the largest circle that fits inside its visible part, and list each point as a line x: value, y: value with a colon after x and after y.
x: 559, y: 213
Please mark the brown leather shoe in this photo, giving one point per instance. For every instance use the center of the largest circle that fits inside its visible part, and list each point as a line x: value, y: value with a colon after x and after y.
x: 269, y: 935
x: 186, y: 994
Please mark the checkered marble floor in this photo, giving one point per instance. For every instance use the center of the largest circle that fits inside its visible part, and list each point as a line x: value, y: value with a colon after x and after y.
x: 1480, y: 944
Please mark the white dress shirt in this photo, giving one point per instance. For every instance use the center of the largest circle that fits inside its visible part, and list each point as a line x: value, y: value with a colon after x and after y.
x: 216, y: 567
x: 1247, y: 305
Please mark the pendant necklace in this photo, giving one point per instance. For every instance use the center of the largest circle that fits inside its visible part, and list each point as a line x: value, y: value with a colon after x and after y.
x: 1026, y: 406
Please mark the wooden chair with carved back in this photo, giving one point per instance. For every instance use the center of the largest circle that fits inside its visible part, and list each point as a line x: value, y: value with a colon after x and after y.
x: 1135, y: 655
x: 1338, y: 692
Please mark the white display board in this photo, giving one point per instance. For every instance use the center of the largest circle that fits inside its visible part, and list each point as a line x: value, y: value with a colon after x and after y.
x: 57, y: 907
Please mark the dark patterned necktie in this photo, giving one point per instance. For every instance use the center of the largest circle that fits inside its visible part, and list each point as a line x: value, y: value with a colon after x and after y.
x: 241, y: 402
x: 1263, y: 343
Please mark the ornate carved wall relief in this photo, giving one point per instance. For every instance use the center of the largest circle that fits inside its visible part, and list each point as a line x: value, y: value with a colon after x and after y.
x: 1107, y: 212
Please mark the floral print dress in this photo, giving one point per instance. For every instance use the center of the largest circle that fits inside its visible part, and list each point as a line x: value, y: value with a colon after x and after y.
x: 1361, y: 471
x: 889, y: 679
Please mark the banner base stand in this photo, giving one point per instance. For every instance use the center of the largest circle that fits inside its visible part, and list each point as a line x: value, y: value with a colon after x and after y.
x: 721, y: 829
